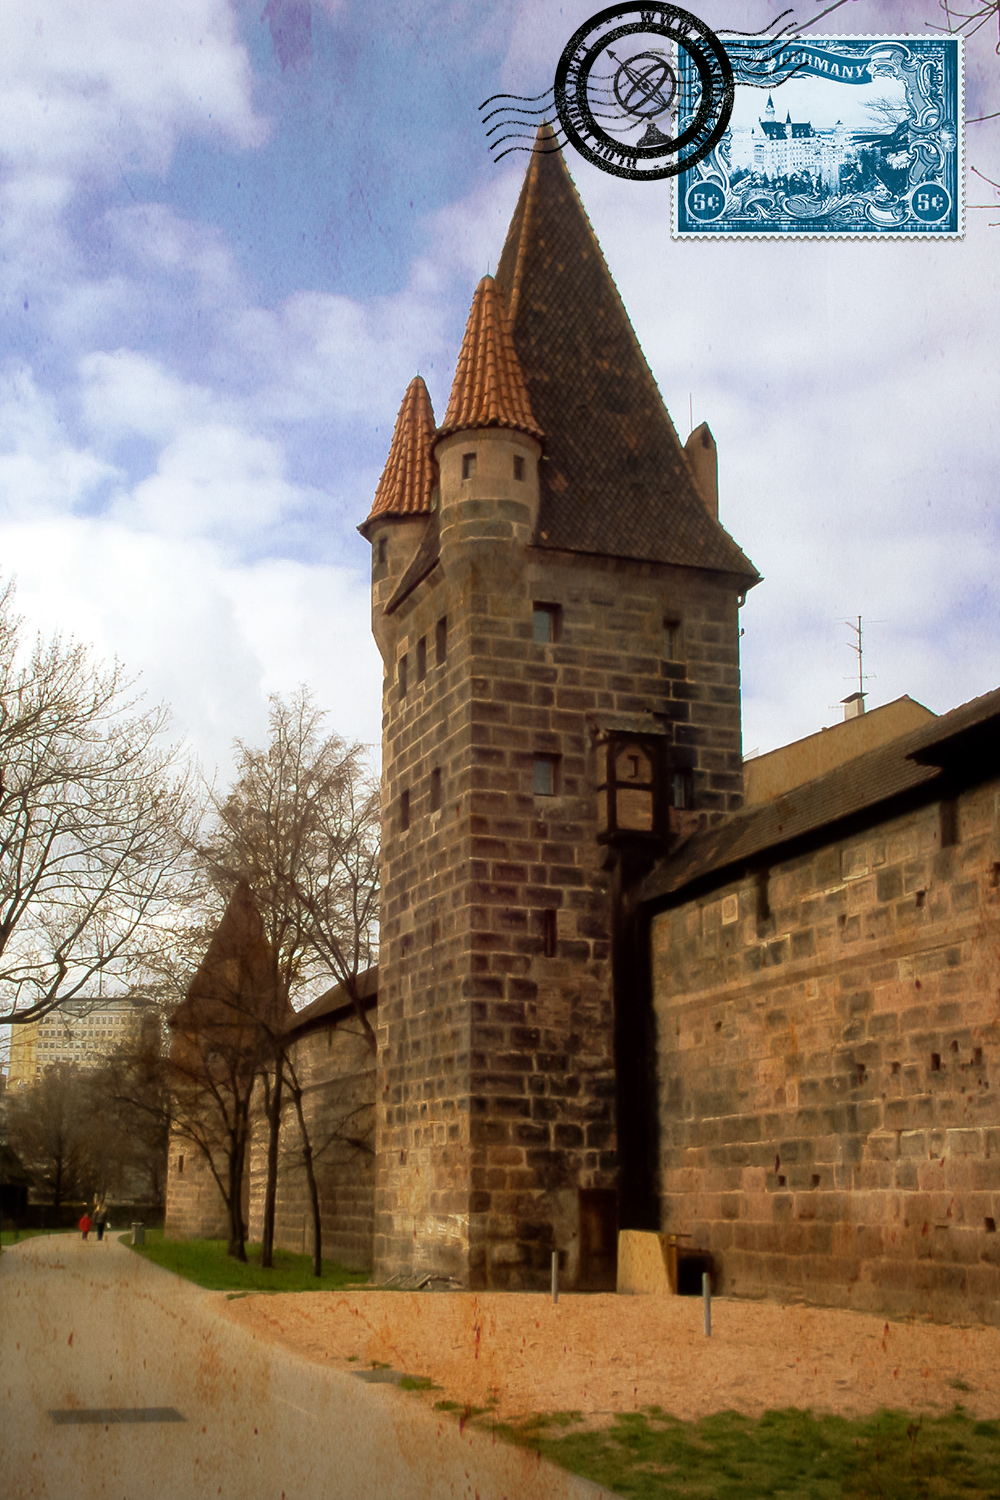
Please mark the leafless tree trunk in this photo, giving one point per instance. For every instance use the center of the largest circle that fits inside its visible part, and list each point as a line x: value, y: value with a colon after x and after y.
x: 295, y: 1089
x: 300, y: 827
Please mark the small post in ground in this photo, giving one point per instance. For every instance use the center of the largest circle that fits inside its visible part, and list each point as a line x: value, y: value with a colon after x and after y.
x: 706, y: 1293
x: 555, y: 1275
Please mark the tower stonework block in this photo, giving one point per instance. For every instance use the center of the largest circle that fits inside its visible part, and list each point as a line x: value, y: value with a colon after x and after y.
x: 549, y: 590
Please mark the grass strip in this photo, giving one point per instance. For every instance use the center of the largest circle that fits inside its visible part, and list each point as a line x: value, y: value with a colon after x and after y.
x: 791, y: 1454
x: 206, y: 1263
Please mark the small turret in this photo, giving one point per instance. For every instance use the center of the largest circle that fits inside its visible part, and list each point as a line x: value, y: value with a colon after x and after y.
x: 489, y: 444
x: 404, y: 499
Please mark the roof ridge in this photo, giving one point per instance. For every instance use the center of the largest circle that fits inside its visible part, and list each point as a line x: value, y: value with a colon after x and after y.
x: 410, y: 472
x: 489, y: 388
x: 855, y: 787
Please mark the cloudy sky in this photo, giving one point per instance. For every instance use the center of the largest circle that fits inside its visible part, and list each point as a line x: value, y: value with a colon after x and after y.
x: 231, y: 230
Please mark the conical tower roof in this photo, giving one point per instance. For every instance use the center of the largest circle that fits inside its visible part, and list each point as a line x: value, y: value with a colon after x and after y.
x: 235, y: 981
x: 616, y: 481
x: 489, y: 389
x: 410, y: 472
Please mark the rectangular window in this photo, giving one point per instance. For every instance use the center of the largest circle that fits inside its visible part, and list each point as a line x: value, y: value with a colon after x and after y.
x: 180, y: 1166
x: 421, y: 658
x: 544, y: 775
x: 518, y: 468
x: 402, y: 670
x: 672, y: 633
x: 436, y: 789
x: 404, y: 810
x: 546, y: 623
x: 468, y: 465
x: 549, y: 933
x: 441, y: 640
x: 681, y: 790
x: 949, y: 822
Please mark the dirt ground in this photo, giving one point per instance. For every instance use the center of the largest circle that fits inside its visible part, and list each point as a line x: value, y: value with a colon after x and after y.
x: 599, y: 1354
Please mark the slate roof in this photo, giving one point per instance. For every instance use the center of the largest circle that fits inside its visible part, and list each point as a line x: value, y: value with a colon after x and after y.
x: 335, y: 1005
x: 410, y: 472
x: 615, y: 480
x: 488, y: 390
x: 969, y: 736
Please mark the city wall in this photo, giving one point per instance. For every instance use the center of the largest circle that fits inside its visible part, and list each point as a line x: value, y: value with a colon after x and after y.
x: 829, y: 1068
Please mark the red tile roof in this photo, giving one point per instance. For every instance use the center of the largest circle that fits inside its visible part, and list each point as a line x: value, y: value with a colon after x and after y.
x: 410, y: 472
x: 616, y: 481
x: 489, y: 389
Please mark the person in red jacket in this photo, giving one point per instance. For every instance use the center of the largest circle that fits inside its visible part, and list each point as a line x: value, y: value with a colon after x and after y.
x: 84, y: 1225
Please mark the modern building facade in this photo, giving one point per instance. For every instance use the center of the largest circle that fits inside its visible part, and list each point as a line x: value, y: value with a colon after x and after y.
x: 80, y: 1032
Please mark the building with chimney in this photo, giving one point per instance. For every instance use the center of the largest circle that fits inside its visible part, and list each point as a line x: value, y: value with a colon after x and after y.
x: 556, y: 605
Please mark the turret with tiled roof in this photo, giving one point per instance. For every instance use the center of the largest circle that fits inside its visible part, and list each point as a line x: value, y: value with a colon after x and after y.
x: 404, y: 499
x: 489, y: 389
x: 410, y: 472
x: 616, y: 480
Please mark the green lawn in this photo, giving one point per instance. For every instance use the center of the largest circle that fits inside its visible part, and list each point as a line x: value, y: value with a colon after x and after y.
x: 206, y: 1263
x: 791, y: 1454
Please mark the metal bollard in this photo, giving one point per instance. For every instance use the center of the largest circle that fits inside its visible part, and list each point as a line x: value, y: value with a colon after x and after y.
x: 555, y: 1275
x: 138, y: 1234
x: 706, y: 1292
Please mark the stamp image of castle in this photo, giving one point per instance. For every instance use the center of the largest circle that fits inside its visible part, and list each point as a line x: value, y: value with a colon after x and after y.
x: 843, y: 136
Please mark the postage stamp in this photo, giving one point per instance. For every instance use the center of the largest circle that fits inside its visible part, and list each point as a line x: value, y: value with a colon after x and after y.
x: 840, y: 136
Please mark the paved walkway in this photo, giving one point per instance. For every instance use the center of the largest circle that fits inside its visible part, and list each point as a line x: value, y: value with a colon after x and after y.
x: 101, y: 1353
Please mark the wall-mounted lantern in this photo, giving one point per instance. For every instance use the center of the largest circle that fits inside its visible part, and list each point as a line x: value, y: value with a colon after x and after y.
x: 629, y: 791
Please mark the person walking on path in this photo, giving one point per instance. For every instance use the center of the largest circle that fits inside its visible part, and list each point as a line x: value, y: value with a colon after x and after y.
x: 100, y: 1217
x: 84, y: 1224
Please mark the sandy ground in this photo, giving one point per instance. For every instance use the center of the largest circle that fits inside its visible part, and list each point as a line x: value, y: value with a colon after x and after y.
x: 600, y: 1354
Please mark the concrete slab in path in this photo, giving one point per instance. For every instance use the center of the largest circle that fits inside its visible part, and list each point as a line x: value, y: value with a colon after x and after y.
x: 102, y: 1354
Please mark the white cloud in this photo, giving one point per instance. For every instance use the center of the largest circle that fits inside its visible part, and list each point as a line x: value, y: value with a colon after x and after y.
x: 212, y: 479
x: 157, y: 241
x: 128, y: 391
x: 210, y: 638
x: 324, y: 354
x: 94, y: 88
x: 42, y: 471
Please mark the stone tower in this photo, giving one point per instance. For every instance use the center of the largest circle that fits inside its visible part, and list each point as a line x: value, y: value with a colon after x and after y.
x: 556, y: 605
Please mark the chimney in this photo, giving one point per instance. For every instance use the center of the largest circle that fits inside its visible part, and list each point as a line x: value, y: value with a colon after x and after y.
x: 854, y: 705
x: 702, y: 456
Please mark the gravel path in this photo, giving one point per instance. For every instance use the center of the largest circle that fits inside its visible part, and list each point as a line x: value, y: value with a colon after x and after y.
x: 599, y: 1354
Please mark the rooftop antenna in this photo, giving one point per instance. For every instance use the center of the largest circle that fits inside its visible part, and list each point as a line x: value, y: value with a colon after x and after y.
x: 858, y: 646
x: 854, y: 703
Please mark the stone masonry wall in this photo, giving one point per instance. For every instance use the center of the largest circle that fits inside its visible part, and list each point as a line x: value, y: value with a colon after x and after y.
x: 829, y: 1056
x: 338, y: 1075
x: 495, y: 1099
x: 195, y: 1209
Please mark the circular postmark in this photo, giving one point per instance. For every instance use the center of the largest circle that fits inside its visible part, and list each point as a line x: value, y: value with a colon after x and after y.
x: 635, y: 107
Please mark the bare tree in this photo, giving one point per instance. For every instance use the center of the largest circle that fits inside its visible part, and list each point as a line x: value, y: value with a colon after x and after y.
x: 96, y: 820
x: 49, y: 1128
x: 223, y: 1040
x: 300, y: 826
